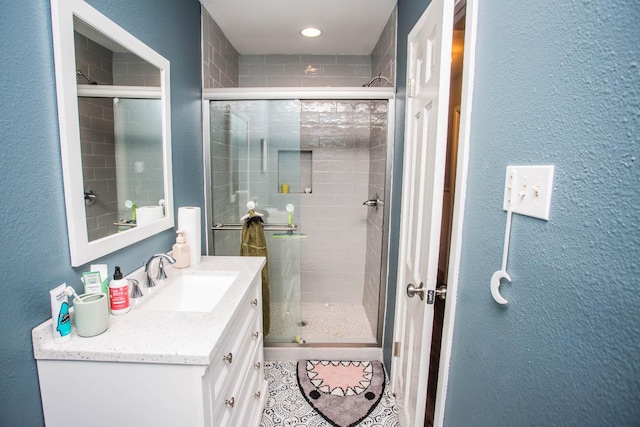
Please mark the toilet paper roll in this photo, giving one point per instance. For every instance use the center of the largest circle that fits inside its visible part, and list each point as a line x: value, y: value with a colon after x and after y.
x: 148, y: 214
x: 189, y: 222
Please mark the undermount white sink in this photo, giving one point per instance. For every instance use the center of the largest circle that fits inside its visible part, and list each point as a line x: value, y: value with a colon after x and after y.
x: 191, y: 291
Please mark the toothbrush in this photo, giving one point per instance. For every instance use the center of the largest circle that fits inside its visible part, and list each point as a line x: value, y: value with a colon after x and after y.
x: 70, y: 291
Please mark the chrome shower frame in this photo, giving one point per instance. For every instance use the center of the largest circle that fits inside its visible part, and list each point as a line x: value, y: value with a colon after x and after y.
x: 279, y: 350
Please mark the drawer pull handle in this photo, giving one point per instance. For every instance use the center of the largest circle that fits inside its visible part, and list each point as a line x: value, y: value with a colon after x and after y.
x: 228, y: 358
x: 257, y: 365
x: 256, y: 395
x: 255, y: 334
x: 230, y: 402
x: 254, y: 302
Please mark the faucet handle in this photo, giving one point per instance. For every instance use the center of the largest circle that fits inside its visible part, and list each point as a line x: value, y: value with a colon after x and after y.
x: 161, y: 274
x: 135, y: 289
x: 149, y: 283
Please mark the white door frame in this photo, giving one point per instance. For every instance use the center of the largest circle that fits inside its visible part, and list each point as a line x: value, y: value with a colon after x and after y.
x: 468, y: 73
x: 458, y: 210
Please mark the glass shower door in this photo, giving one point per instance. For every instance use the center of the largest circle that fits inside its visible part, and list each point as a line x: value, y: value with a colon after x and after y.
x: 255, y: 157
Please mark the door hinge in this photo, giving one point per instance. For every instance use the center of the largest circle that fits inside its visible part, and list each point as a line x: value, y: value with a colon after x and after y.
x: 410, y: 87
x: 396, y: 349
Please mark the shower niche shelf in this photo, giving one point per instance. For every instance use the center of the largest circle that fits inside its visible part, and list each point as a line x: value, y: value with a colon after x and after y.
x: 295, y: 169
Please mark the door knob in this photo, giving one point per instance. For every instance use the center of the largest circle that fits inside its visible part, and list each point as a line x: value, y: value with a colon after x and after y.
x: 412, y: 290
x: 442, y: 292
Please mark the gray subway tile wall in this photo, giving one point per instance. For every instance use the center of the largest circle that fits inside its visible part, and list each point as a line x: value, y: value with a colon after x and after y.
x: 97, y: 140
x: 333, y: 257
x: 220, y: 60
x: 375, y: 219
x: 304, y: 70
x: 131, y: 70
x: 383, y: 56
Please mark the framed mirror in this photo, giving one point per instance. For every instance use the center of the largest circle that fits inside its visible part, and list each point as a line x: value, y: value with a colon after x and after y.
x: 115, y: 132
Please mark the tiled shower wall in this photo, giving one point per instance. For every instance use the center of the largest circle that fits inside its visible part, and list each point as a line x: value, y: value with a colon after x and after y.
x: 97, y: 138
x: 138, y: 135
x: 383, y: 61
x: 333, y: 216
x: 131, y: 70
x: 224, y: 205
x: 98, y: 144
x: 345, y: 144
x: 304, y: 70
x: 348, y: 165
x: 375, y: 217
x: 383, y: 56
x: 219, y: 57
x: 220, y: 64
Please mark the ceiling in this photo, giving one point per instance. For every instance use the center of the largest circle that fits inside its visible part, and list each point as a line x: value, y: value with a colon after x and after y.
x: 350, y: 27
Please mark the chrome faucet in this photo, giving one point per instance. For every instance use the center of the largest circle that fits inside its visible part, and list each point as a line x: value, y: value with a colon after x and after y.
x: 161, y: 274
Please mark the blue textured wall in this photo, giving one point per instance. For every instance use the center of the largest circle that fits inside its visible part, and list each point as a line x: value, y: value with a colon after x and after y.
x: 555, y: 84
x: 34, y: 238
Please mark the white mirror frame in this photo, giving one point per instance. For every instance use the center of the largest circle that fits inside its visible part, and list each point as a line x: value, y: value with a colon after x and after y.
x: 62, y: 14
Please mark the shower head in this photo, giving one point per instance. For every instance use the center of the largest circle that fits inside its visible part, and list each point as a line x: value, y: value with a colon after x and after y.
x: 378, y: 77
x: 89, y: 81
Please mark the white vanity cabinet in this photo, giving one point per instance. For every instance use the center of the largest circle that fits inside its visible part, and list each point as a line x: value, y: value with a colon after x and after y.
x: 99, y: 388
x: 235, y: 379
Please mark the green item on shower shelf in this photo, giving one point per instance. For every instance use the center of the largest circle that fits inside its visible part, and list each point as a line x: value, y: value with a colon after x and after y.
x: 289, y: 208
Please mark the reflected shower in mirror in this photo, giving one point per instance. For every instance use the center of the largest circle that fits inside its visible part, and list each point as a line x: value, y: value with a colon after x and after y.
x: 122, y: 161
x: 121, y: 139
x: 115, y: 134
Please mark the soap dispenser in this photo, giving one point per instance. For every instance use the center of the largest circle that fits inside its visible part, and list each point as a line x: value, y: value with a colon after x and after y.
x: 181, y: 251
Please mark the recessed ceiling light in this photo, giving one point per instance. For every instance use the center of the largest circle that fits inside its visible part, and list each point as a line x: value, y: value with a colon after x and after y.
x: 311, y: 32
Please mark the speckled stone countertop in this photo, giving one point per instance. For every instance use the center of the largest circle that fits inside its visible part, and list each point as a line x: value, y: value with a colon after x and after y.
x: 171, y: 337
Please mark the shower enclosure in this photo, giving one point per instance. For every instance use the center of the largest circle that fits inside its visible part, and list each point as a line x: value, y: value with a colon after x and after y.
x: 316, y: 169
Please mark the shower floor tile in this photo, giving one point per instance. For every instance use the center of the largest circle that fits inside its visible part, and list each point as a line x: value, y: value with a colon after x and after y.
x: 320, y: 323
x: 286, y: 406
x: 335, y: 322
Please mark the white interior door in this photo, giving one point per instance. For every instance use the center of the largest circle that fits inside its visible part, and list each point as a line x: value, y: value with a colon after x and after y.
x: 428, y: 75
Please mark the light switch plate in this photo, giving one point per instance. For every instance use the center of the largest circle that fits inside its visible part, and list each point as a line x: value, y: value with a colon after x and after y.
x: 530, y: 187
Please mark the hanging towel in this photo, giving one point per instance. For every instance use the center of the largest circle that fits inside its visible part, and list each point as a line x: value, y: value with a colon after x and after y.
x: 255, y: 244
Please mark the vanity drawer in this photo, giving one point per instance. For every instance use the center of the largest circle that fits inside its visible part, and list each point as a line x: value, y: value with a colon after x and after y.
x: 251, y: 397
x: 248, y: 395
x: 233, y: 353
x: 237, y: 395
